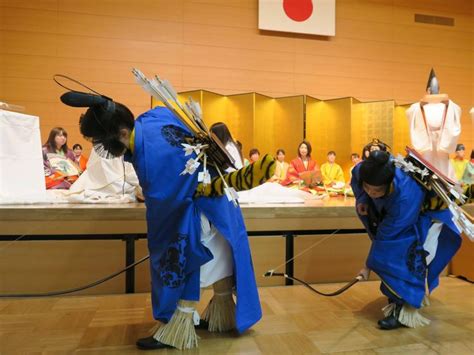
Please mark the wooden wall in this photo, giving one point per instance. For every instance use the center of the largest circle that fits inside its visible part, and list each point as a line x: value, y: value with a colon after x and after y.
x: 378, y: 52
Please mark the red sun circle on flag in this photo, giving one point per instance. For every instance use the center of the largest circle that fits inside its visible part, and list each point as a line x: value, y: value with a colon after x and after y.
x: 298, y: 10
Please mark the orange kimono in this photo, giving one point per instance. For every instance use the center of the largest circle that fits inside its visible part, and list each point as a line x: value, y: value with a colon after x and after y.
x: 83, y: 162
x: 297, y: 171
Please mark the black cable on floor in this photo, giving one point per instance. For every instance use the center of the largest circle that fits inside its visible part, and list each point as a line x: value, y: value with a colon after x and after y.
x: 77, y: 289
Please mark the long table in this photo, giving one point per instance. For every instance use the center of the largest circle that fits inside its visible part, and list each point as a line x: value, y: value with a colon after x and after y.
x: 127, y: 222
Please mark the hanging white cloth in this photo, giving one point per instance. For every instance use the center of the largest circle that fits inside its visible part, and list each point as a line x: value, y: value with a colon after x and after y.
x: 21, y: 160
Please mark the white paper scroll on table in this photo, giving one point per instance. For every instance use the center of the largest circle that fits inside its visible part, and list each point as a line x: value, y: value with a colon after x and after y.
x: 272, y: 193
x: 21, y: 160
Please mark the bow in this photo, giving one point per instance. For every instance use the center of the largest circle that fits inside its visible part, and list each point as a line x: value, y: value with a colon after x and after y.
x: 348, y: 285
x: 272, y: 273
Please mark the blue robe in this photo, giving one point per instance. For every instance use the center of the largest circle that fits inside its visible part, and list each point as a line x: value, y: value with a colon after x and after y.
x: 398, y: 228
x: 173, y: 220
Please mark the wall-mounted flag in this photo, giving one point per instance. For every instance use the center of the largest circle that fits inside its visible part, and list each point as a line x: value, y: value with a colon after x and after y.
x: 316, y: 17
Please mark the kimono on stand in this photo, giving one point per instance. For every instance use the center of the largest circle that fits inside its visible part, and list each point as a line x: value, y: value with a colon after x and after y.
x: 434, y: 132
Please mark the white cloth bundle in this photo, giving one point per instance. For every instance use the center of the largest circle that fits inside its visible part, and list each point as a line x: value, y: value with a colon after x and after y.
x: 104, y: 181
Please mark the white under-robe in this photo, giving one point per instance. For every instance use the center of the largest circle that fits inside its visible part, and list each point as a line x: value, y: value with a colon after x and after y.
x: 222, y: 265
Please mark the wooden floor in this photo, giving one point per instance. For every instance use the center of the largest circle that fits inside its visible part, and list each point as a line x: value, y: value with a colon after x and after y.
x: 295, y: 321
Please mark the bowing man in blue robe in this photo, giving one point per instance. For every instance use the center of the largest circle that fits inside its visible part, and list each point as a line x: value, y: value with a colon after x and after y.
x: 194, y: 240
x: 411, y: 244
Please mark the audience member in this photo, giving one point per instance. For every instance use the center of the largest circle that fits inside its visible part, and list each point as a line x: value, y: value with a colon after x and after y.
x: 303, y: 170
x: 331, y: 171
x: 254, y: 155
x: 468, y: 177
x: 60, y: 165
x: 458, y: 162
x: 80, y: 158
x: 355, y: 158
x: 281, y: 167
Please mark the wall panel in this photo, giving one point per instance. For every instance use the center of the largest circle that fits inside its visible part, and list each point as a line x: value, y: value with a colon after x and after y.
x: 379, y: 52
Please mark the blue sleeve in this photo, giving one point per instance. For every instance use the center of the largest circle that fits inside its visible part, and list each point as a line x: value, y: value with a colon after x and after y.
x: 402, y: 212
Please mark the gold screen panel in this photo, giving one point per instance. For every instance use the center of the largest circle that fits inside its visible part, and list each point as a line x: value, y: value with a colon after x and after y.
x: 288, y: 125
x: 344, y: 125
x: 372, y: 120
x: 263, y: 124
x: 240, y: 114
x: 401, y: 130
x: 328, y: 127
x: 214, y: 109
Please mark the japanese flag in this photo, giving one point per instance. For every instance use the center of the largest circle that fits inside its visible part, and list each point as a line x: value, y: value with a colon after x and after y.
x: 316, y: 17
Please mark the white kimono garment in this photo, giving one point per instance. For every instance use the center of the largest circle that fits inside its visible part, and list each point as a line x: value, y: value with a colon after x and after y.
x: 435, y: 134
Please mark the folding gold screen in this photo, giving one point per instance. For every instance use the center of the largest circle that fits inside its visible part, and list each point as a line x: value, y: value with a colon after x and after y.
x: 344, y: 125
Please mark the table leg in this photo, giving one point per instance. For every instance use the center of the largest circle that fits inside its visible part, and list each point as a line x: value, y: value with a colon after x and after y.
x: 289, y: 253
x: 129, y: 260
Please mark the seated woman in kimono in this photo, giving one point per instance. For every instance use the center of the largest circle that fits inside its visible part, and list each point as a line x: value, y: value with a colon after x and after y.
x: 80, y: 158
x: 254, y: 155
x: 183, y: 219
x: 60, y: 165
x: 331, y: 171
x: 281, y: 168
x: 411, y: 242
x: 468, y: 177
x: 303, y: 171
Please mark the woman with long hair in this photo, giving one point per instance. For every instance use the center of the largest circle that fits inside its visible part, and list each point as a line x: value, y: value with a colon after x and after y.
x: 60, y: 165
x: 222, y: 132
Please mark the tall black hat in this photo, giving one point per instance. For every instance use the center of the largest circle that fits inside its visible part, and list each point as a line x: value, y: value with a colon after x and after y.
x: 432, y: 87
